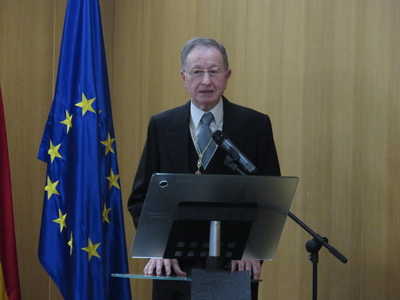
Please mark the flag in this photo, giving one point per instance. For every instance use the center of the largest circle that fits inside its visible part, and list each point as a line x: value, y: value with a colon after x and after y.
x: 9, y: 279
x: 82, y: 237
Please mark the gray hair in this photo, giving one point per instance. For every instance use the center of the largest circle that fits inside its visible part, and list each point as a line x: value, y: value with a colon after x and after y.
x: 206, y: 43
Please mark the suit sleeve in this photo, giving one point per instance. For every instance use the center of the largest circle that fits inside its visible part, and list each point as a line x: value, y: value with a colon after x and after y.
x: 148, y: 165
x: 267, y: 155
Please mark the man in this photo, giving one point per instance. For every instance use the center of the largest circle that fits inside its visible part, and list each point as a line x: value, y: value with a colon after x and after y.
x: 174, y: 146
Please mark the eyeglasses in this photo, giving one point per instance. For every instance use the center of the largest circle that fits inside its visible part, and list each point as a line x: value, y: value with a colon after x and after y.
x: 199, y: 74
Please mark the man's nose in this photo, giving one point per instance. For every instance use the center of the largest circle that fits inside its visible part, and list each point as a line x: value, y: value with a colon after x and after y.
x: 206, y: 78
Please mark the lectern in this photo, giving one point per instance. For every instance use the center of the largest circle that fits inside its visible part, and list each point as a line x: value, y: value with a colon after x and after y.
x: 188, y: 216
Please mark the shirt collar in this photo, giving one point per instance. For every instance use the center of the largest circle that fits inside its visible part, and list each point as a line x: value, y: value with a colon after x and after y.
x: 196, y: 113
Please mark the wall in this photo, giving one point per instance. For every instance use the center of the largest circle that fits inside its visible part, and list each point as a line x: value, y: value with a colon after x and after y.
x: 327, y: 74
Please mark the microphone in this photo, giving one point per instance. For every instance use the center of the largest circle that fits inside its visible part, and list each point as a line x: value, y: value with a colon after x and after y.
x: 222, y: 140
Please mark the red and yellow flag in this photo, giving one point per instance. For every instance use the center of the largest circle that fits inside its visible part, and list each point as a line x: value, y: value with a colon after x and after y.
x: 9, y: 279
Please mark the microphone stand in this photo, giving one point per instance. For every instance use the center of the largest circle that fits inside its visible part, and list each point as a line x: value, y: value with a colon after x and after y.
x: 312, y: 246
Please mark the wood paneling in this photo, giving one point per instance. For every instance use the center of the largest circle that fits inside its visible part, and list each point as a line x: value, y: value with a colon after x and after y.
x: 26, y: 77
x: 326, y: 72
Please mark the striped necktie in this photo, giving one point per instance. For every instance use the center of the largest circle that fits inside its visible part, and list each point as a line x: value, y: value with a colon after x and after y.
x: 205, y: 141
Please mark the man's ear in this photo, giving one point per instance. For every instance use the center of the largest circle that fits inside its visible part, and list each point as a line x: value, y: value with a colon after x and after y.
x: 183, y: 75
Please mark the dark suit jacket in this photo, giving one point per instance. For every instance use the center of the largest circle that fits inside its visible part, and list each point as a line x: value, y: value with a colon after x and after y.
x: 169, y: 147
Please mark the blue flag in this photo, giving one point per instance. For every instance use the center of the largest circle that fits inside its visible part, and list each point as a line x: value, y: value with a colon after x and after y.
x: 82, y: 238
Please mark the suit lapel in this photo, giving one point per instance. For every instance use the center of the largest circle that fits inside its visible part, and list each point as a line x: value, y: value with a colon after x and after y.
x: 179, y: 139
x: 178, y: 136
x: 232, y: 127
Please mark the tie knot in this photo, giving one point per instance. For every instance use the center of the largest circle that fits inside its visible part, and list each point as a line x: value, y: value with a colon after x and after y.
x: 207, y: 118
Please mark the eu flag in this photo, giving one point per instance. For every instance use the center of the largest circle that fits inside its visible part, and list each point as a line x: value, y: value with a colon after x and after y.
x: 82, y: 238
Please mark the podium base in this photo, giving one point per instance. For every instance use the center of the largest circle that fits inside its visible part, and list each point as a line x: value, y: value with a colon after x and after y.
x: 220, y: 285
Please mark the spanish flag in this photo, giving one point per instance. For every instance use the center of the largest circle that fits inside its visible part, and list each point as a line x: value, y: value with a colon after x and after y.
x: 9, y: 279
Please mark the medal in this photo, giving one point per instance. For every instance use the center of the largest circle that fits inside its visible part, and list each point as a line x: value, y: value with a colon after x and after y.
x: 199, y: 164
x: 199, y: 152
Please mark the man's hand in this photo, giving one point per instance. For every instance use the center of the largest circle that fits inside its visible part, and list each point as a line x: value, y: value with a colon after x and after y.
x: 158, y: 264
x: 254, y: 266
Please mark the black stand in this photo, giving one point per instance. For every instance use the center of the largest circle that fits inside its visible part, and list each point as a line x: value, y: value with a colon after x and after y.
x: 214, y: 283
x: 312, y: 246
x: 214, y: 259
x: 218, y: 285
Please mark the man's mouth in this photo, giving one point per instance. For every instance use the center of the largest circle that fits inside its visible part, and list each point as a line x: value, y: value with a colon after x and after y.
x: 207, y: 92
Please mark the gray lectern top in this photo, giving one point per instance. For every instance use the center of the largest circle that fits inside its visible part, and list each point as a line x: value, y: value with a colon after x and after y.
x: 262, y: 201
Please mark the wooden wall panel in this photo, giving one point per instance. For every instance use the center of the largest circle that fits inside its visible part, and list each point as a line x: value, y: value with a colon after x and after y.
x: 379, y: 155
x: 26, y: 77
x: 129, y: 105
x: 326, y: 72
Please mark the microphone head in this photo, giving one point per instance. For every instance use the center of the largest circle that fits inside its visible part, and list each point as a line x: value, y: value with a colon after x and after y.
x: 218, y: 137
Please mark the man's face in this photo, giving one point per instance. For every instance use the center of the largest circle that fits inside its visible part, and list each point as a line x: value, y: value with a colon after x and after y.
x: 204, y: 77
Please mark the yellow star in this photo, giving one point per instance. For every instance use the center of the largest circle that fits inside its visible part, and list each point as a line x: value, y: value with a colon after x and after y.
x: 91, y: 249
x: 105, y: 214
x: 86, y: 104
x: 51, y: 188
x: 108, y: 144
x: 68, y: 120
x: 61, y: 220
x: 70, y: 244
x: 113, y: 178
x: 53, y: 151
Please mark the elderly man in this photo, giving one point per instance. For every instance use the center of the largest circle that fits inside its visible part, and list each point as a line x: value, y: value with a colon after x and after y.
x: 174, y: 145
